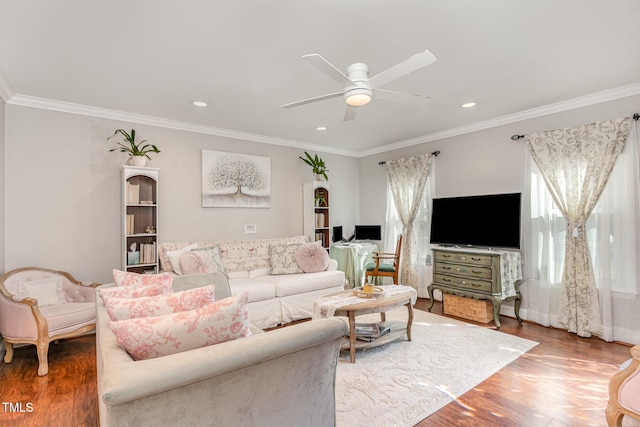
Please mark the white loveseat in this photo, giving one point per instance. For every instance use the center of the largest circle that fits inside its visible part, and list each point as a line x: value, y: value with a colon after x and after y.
x: 284, y: 377
x: 273, y: 299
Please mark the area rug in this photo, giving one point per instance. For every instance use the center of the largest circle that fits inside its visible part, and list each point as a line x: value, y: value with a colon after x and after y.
x: 402, y: 382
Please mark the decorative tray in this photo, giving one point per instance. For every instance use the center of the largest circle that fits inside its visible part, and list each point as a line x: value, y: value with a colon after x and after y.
x: 378, y: 292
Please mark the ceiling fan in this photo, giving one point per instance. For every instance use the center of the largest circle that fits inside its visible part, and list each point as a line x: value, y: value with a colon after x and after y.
x: 358, y: 89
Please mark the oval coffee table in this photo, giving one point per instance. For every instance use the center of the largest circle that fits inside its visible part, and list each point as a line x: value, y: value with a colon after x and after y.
x: 376, y: 305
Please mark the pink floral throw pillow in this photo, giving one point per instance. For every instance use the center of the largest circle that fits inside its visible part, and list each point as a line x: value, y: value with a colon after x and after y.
x: 151, y: 337
x: 127, y: 278
x: 136, y: 291
x: 129, y: 308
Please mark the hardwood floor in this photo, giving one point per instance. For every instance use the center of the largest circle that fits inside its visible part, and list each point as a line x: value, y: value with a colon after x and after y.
x: 561, y: 382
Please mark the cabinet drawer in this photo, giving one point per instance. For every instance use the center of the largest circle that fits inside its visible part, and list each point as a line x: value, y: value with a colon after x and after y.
x: 470, y: 271
x: 476, y: 259
x: 471, y: 284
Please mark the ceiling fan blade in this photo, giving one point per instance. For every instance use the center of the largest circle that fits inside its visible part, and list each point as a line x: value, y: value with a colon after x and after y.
x: 401, y: 97
x: 408, y: 66
x: 310, y: 100
x: 350, y: 113
x: 327, y: 68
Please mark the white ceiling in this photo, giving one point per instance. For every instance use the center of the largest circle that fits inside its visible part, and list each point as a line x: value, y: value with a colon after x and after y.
x: 152, y: 58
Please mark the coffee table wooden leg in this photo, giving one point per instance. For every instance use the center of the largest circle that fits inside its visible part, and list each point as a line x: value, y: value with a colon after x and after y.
x: 352, y: 336
x: 409, y: 321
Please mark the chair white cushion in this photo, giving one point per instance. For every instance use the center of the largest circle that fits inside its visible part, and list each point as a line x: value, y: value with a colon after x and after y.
x: 67, y: 317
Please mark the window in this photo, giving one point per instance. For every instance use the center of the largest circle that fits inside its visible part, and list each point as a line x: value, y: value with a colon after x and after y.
x: 612, y: 228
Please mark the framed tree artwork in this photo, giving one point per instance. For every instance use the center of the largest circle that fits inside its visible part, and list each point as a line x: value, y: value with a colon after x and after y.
x: 235, y: 180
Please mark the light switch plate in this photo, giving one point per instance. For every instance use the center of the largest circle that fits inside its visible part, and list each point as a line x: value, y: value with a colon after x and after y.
x: 250, y: 228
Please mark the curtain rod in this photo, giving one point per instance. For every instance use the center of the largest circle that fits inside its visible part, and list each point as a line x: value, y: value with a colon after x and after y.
x: 435, y: 153
x: 635, y: 116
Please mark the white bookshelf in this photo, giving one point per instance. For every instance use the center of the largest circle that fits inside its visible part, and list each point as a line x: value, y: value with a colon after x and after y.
x: 140, y: 219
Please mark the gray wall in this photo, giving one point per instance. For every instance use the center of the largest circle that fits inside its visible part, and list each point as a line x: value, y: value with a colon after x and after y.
x: 63, y: 197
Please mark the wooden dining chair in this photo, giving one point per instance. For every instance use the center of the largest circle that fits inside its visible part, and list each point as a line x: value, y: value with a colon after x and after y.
x: 379, y: 269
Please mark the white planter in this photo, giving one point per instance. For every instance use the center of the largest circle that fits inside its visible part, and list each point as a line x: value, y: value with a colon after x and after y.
x: 137, y: 161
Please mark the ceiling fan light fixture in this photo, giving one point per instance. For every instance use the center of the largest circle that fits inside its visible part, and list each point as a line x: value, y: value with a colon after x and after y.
x: 357, y: 97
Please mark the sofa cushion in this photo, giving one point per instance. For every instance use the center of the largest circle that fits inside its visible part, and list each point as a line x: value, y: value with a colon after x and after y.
x: 151, y: 337
x: 136, y: 291
x: 282, y: 258
x: 48, y: 291
x: 312, y: 258
x: 129, y: 308
x: 293, y: 284
x: 128, y: 278
x: 258, y: 289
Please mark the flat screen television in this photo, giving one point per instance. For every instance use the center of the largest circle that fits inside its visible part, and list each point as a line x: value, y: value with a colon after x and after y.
x: 368, y: 232
x: 486, y: 221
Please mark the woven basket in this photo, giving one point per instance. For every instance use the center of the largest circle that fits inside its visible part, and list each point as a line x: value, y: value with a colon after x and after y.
x: 468, y: 308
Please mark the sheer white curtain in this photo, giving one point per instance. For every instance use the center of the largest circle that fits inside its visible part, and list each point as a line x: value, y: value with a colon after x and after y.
x: 421, y: 232
x: 611, y: 232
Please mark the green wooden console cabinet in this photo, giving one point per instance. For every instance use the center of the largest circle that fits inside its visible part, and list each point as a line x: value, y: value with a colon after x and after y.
x: 473, y: 274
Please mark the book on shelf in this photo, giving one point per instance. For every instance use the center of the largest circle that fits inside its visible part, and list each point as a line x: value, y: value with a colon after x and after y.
x: 320, y: 220
x: 130, y: 224
x: 132, y: 193
x: 371, y: 331
x: 148, y: 253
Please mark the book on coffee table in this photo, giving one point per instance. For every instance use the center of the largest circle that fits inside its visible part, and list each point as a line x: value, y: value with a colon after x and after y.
x: 371, y: 331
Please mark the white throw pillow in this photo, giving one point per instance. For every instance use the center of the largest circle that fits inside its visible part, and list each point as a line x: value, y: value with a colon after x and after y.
x: 47, y: 291
x: 174, y: 257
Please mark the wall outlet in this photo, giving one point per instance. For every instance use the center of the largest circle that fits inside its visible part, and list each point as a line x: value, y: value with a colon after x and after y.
x: 250, y: 228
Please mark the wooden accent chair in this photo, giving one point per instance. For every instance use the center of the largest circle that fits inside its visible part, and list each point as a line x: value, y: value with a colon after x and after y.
x: 624, y: 391
x: 38, y: 306
x: 378, y: 269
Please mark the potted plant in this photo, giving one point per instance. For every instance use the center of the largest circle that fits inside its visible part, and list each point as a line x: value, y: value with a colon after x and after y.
x: 321, y: 200
x: 318, y: 166
x: 138, y: 152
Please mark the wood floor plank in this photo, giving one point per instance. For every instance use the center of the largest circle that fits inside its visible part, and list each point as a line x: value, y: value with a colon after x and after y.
x: 559, y: 383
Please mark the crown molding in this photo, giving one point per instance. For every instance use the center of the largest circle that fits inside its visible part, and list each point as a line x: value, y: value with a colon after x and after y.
x: 29, y: 101
x: 558, y: 107
x: 105, y: 113
x: 6, y: 91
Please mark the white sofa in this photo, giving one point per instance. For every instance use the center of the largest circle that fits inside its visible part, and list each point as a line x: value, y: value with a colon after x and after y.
x: 273, y: 299
x: 284, y: 377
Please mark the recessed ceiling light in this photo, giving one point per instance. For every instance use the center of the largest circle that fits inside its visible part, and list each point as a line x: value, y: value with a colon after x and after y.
x: 200, y: 103
x: 469, y: 104
x: 321, y: 128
